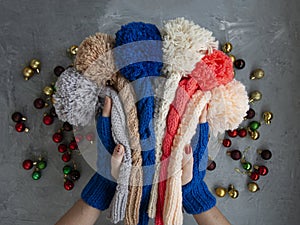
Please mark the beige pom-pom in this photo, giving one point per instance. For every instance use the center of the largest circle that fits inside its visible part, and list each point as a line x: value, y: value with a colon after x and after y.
x: 94, y: 58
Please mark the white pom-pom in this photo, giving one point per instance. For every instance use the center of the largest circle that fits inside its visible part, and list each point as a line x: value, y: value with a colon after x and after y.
x: 184, y: 44
x: 227, y: 107
x: 75, y: 98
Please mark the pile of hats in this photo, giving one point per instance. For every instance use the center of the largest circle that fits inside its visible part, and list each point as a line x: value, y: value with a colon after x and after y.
x: 159, y: 80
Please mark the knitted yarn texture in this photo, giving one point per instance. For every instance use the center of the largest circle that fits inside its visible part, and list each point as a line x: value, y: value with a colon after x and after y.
x: 134, y: 32
x: 75, y: 98
x: 184, y: 43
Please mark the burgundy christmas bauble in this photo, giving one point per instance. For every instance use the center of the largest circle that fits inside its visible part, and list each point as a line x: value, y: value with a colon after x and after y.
x: 242, y: 132
x: 235, y: 154
x: 266, y: 154
x: 73, y: 145
x: 58, y: 70
x: 66, y: 157
x: 57, y: 137
x: 239, y: 64
x: 27, y: 164
x: 211, y: 165
x: 67, y: 126
x: 62, y: 148
x: 254, y: 176
x: 39, y: 103
x: 52, y: 112
x: 232, y: 133
x: 74, y: 175
x: 69, y: 185
x: 48, y: 119
x: 16, y: 117
x: 250, y: 114
x: 20, y: 127
x: 227, y: 143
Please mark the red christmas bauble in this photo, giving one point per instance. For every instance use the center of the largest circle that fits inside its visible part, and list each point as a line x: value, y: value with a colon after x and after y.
x: 232, y: 133
x: 16, y: 117
x: 27, y: 164
x: 78, y: 138
x: 57, y: 137
x: 69, y: 185
x: 20, y: 127
x: 227, y: 143
x: 66, y: 157
x: 48, y: 120
x: 242, y: 132
x: 254, y: 176
x: 73, y: 145
x: 263, y: 170
x: 90, y: 137
x: 62, y: 148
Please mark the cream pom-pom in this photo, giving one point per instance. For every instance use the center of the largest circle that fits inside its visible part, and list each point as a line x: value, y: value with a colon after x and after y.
x: 184, y: 44
x: 94, y: 58
x: 227, y: 107
x: 75, y: 98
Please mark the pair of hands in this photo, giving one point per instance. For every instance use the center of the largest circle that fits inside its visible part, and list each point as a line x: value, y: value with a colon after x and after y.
x: 118, y: 153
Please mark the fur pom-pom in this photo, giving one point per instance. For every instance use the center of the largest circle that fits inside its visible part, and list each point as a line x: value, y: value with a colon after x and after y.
x: 213, y: 70
x: 138, y: 67
x: 227, y: 107
x: 75, y: 98
x: 184, y: 44
x: 94, y: 58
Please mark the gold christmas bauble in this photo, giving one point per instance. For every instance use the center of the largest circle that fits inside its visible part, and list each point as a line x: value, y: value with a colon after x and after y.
x: 255, y: 96
x: 232, y: 192
x: 254, y: 134
x: 48, y: 91
x: 232, y: 57
x: 267, y: 116
x: 28, y: 73
x: 257, y: 74
x: 220, y: 192
x: 35, y: 64
x: 73, y: 49
x: 253, y: 187
x: 227, y: 47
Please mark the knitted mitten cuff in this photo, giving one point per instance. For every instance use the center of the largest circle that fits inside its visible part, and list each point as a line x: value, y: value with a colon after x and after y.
x: 99, y: 192
x: 196, y: 196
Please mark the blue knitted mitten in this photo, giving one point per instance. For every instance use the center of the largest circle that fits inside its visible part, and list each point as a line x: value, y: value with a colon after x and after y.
x: 100, y: 190
x: 195, y: 194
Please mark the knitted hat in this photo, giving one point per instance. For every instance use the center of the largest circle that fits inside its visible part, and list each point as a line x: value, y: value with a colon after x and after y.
x: 131, y: 33
x: 75, y: 98
x: 94, y: 58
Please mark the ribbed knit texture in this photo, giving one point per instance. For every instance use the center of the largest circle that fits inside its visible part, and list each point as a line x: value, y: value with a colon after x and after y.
x: 145, y: 106
x: 120, y: 136
x: 100, y: 190
x: 195, y: 195
x: 184, y: 44
x: 187, y: 88
x: 173, y: 197
x: 128, y: 99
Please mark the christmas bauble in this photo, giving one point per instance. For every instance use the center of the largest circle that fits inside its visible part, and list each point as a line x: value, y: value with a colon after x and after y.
x: 39, y: 103
x: 235, y: 154
x: 250, y: 114
x: 48, y: 120
x: 220, y: 192
x: 74, y: 175
x: 73, y: 145
x: 242, y: 132
x: 69, y: 185
x: 58, y: 70
x: 211, y: 165
x: 232, y: 133
x: 227, y: 47
x: 253, y: 187
x: 36, y: 175
x: 41, y: 165
x: 57, y: 137
x: 239, y: 64
x: 227, y: 143
x: 254, y: 175
x: 66, y: 157
x: 265, y: 154
x: 67, y: 169
x: 62, y: 148
x: 27, y: 164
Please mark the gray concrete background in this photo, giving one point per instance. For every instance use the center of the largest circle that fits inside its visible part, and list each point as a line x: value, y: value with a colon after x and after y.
x: 264, y: 33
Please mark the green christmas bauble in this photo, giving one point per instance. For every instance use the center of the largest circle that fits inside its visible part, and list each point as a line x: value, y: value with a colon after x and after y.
x: 247, y: 166
x: 36, y: 175
x: 42, y: 165
x: 67, y: 169
x: 254, y: 125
